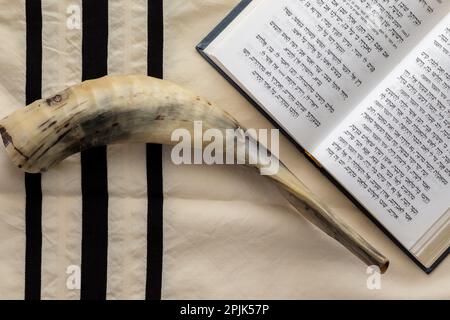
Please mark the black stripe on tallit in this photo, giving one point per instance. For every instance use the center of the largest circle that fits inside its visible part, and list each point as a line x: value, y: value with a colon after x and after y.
x: 94, y: 173
x: 33, y: 189
x: 154, y: 161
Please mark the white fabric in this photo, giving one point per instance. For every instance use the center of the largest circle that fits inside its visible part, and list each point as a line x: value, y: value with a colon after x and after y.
x: 12, y: 188
x: 127, y: 179
x: 227, y: 231
x: 61, y: 187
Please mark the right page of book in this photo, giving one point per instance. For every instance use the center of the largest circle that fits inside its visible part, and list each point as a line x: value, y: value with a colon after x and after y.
x: 392, y: 153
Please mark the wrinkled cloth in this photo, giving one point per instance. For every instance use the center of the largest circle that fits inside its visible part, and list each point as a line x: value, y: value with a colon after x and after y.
x: 228, y: 233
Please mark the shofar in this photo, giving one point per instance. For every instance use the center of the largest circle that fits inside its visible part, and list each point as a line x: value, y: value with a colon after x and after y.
x: 140, y: 109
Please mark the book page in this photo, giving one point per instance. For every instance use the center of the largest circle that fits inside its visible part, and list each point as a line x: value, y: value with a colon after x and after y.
x: 393, y: 152
x: 308, y: 63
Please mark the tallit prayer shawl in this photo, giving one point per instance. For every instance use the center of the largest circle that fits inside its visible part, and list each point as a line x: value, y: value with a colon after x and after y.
x: 124, y: 222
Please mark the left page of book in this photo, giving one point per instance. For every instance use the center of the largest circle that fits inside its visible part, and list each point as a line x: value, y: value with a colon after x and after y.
x: 309, y: 63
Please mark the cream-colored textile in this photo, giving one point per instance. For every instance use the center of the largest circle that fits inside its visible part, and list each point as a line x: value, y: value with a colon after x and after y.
x: 61, y: 187
x: 127, y: 180
x: 227, y: 231
x: 228, y: 234
x: 12, y: 188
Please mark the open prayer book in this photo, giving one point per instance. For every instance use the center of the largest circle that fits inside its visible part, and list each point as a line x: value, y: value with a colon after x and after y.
x: 363, y: 86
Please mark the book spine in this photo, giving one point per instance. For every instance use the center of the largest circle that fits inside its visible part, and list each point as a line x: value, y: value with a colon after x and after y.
x: 309, y: 155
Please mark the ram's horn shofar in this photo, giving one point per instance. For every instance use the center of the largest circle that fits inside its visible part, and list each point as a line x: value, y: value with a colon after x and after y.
x: 140, y: 109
